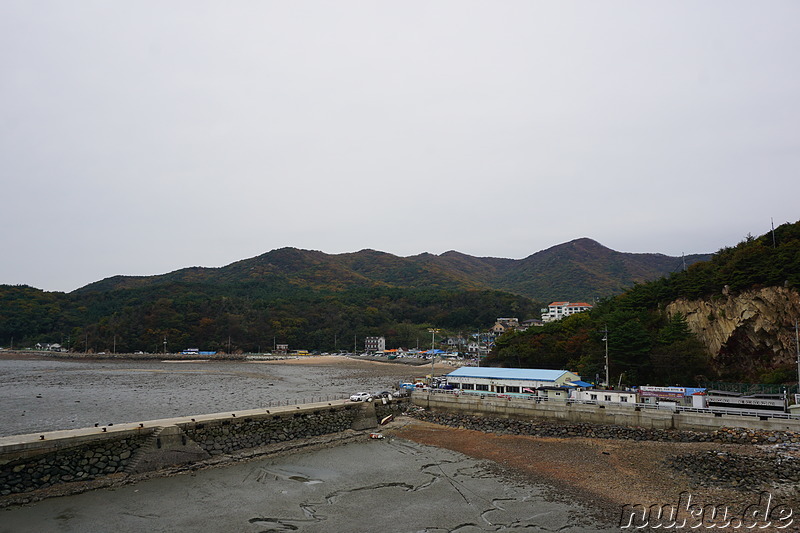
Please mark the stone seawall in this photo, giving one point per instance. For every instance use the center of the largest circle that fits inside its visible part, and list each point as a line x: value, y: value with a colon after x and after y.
x: 38, y: 461
x: 602, y: 414
x: 552, y: 428
x: 226, y: 436
x: 22, y: 472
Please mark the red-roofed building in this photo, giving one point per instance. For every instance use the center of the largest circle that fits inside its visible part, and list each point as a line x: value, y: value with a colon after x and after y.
x: 558, y: 310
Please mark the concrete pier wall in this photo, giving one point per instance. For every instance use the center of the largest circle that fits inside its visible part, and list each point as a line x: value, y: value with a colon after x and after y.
x: 35, y: 461
x: 577, y: 413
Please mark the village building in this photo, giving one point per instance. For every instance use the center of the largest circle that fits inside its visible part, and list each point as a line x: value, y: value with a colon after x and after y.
x: 50, y: 347
x: 531, y: 322
x: 606, y: 396
x: 509, y: 380
x: 281, y: 349
x: 685, y: 396
x: 374, y: 344
x: 476, y: 348
x: 559, y: 310
x: 502, y: 325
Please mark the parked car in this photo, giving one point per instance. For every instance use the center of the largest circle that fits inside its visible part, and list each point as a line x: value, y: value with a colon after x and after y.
x: 382, y: 394
x: 361, y: 397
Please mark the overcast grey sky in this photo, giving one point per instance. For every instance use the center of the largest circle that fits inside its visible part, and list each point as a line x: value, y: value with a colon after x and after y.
x: 141, y: 137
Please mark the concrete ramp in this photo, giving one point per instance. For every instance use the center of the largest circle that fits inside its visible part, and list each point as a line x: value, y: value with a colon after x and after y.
x: 366, y: 417
x: 167, y: 446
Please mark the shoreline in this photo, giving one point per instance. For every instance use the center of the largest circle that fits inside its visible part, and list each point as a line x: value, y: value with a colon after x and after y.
x: 601, y: 475
x: 342, y: 482
x: 315, y: 360
x: 607, y: 474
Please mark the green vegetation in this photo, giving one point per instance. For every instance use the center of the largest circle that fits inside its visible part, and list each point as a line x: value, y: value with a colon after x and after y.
x: 644, y: 344
x: 249, y: 315
x: 314, y: 300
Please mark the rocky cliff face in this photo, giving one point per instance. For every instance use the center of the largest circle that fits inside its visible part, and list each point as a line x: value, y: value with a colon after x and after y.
x: 751, y: 332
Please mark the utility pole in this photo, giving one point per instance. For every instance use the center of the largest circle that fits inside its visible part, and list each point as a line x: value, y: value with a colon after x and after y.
x: 772, y: 222
x: 433, y: 332
x: 605, y: 339
x: 165, y: 345
x: 797, y: 347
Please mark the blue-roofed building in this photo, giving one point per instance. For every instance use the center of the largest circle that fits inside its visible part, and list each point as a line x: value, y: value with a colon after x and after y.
x: 508, y: 380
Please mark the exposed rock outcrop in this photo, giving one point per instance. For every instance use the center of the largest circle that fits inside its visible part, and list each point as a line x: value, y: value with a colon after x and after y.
x: 752, y: 331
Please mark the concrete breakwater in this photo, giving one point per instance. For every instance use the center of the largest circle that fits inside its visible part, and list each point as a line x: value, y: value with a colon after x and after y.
x: 37, y: 461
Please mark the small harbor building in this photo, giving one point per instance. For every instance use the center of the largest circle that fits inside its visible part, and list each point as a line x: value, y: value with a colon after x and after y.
x: 607, y: 396
x: 509, y: 380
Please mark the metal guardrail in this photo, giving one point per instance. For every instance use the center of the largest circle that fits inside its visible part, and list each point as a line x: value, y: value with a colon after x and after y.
x: 530, y: 398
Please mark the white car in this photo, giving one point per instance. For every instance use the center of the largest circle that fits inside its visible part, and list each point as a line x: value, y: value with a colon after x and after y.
x: 361, y: 397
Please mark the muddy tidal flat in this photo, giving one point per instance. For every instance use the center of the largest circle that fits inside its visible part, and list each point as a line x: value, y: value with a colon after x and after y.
x: 388, y: 485
x: 40, y: 394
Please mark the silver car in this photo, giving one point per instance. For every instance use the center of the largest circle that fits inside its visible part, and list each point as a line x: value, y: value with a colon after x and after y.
x: 361, y: 397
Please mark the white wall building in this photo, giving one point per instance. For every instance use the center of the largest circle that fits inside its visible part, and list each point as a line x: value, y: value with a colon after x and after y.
x: 606, y: 396
x: 374, y: 344
x: 504, y: 380
x: 559, y: 310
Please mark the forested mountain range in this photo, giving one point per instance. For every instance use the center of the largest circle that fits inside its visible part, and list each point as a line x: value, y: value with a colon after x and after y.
x: 314, y: 300
x: 582, y: 269
x: 731, y: 318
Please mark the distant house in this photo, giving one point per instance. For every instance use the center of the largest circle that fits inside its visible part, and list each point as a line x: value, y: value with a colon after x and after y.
x: 559, y: 310
x: 456, y: 341
x: 374, y: 344
x: 55, y: 347
x: 503, y: 380
x: 503, y: 325
x: 530, y: 323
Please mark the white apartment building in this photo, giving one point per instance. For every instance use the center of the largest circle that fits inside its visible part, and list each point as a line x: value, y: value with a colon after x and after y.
x: 374, y: 344
x: 558, y: 310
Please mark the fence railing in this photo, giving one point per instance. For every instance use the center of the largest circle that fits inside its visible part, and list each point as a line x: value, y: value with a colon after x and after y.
x: 303, y: 400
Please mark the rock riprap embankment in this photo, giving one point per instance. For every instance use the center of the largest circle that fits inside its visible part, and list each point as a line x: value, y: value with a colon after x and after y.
x: 744, y: 471
x: 556, y: 429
